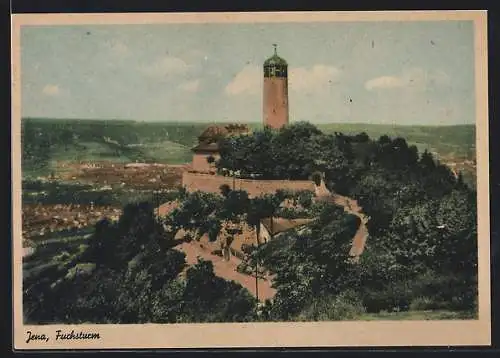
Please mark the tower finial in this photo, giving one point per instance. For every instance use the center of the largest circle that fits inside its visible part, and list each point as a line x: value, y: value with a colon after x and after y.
x: 275, y: 49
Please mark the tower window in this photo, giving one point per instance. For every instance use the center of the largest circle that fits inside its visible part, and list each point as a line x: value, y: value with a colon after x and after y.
x: 275, y: 71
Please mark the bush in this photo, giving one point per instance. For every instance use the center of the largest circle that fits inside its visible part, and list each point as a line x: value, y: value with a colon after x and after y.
x: 447, y: 291
x: 244, y: 268
x: 427, y: 291
x: 393, y: 296
x: 422, y: 304
x: 305, y: 198
x: 316, y: 177
x: 345, y: 306
x: 62, y: 257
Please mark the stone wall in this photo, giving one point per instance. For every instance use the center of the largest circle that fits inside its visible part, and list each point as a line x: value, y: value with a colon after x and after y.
x: 211, y: 183
x: 200, y: 162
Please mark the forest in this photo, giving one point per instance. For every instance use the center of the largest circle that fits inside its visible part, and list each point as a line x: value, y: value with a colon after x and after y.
x: 421, y: 253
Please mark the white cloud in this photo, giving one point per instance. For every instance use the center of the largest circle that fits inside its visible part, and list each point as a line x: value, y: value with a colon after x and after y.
x: 51, y: 90
x: 384, y: 82
x: 301, y: 79
x: 247, y: 81
x: 165, y: 66
x: 417, y: 78
x: 314, y: 79
x: 190, y: 86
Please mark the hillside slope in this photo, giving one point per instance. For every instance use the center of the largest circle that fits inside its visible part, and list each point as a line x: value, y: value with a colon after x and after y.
x: 47, y: 141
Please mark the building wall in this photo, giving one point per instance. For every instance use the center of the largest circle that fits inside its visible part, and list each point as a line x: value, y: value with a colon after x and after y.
x: 275, y: 101
x: 200, y: 163
x: 264, y: 235
x: 211, y: 183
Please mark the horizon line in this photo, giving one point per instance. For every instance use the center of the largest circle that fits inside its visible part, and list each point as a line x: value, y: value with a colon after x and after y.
x: 248, y: 122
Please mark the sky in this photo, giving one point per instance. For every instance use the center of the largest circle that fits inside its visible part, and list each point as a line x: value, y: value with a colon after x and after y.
x: 402, y: 73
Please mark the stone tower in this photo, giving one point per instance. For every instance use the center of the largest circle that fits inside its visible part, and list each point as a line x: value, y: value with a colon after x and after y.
x: 275, y: 99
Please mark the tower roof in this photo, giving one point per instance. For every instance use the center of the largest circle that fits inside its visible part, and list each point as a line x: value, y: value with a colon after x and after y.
x: 275, y: 59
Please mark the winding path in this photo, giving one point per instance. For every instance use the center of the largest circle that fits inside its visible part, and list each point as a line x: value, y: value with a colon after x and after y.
x: 227, y: 269
x: 351, y: 206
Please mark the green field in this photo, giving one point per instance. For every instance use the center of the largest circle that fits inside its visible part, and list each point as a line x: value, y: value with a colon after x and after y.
x: 47, y: 141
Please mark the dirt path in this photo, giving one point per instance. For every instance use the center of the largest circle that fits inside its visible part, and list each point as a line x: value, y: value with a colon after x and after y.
x: 227, y: 269
x: 351, y: 206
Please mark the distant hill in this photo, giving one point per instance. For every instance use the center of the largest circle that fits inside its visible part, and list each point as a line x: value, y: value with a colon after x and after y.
x: 457, y: 142
x: 46, y: 141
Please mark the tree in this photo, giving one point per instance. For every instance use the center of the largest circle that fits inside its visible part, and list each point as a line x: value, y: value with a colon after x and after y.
x: 261, y: 207
x: 211, y: 299
x: 457, y: 220
x: 427, y: 162
x: 102, y: 245
x: 361, y: 138
x: 198, y: 212
x: 235, y: 205
x: 414, y: 236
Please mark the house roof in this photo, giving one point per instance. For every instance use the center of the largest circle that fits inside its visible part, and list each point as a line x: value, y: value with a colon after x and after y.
x: 209, y: 139
x: 214, y: 132
x: 206, y: 147
x: 280, y: 225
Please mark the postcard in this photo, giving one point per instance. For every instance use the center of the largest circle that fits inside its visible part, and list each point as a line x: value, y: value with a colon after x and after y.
x: 284, y: 179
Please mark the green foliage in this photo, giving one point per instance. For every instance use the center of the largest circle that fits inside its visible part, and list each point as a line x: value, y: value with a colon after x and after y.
x: 212, y: 299
x: 129, y: 273
x: 385, y: 284
x: 421, y: 253
x: 422, y: 225
x: 458, y: 141
x: 345, y: 306
x: 290, y: 153
x: 423, y: 304
x: 308, y: 265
